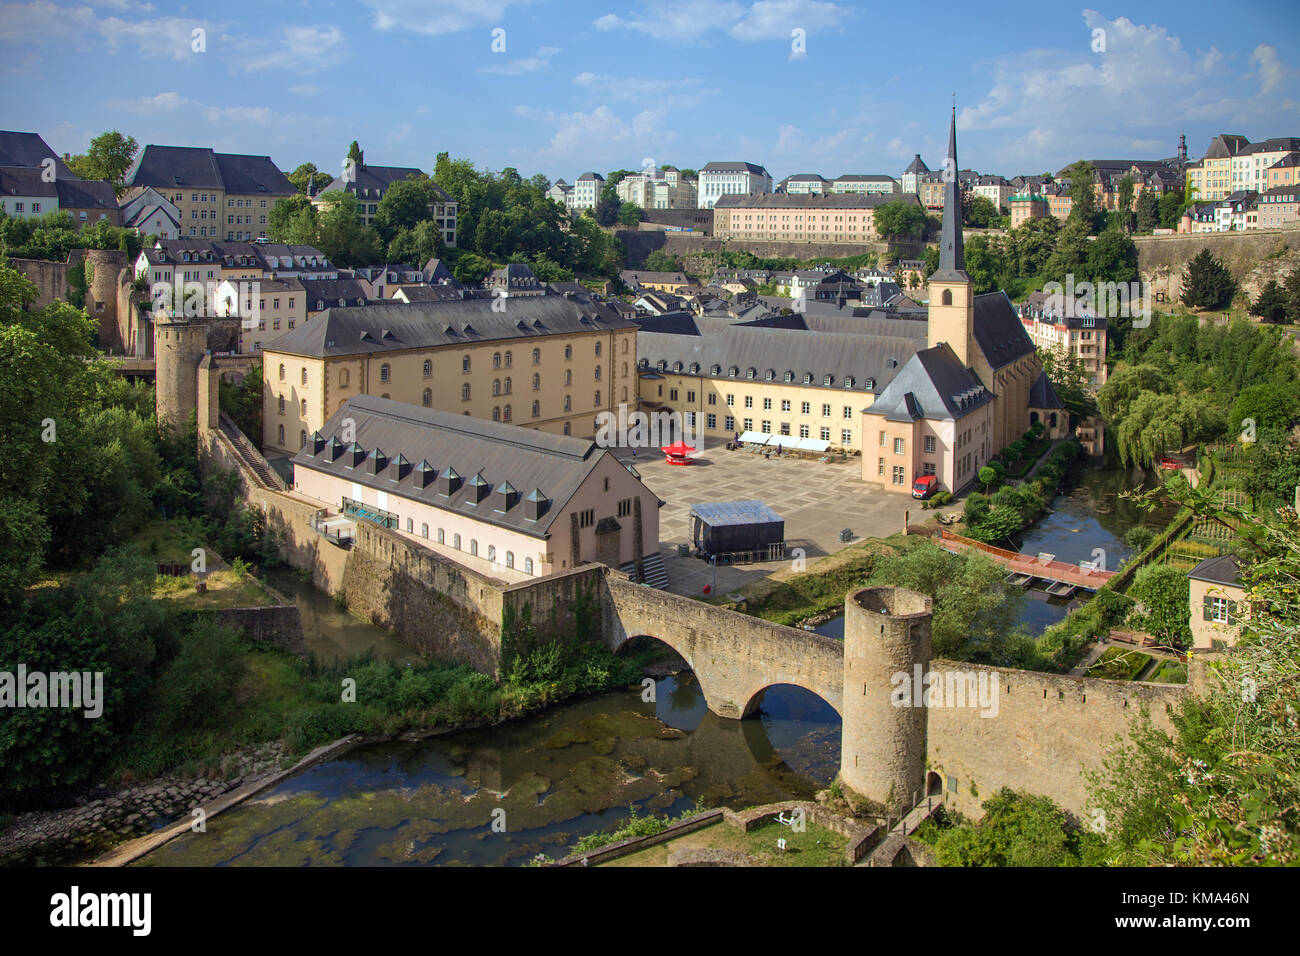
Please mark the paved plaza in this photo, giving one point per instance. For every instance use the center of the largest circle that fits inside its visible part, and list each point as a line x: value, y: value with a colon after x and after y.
x: 816, y: 500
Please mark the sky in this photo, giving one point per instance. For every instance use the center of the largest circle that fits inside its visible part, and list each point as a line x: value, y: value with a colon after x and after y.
x: 565, y: 86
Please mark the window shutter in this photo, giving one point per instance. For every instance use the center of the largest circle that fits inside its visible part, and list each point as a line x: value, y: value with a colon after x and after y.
x: 1207, y: 610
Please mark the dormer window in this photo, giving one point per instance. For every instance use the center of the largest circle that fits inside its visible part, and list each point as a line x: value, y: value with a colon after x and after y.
x: 848, y: 381
x: 807, y: 378
x: 733, y: 371
x: 827, y: 379
x: 751, y: 373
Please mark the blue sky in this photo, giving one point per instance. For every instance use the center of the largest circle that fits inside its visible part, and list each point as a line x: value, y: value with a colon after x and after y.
x: 595, y: 84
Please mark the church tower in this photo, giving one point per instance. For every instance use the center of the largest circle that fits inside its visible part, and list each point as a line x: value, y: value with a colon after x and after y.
x: 952, y: 307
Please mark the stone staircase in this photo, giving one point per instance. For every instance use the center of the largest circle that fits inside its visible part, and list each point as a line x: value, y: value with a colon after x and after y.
x: 656, y: 574
x: 249, y: 455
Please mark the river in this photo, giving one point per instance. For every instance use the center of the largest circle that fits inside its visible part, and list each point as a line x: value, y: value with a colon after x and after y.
x: 579, y: 767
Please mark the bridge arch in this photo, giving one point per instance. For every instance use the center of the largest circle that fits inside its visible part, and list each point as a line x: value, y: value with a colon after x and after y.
x: 755, y: 700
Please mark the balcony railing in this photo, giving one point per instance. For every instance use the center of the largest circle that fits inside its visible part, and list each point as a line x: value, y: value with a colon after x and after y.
x: 356, y: 509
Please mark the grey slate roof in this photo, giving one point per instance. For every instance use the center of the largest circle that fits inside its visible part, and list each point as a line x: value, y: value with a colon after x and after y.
x: 395, y: 326
x: 734, y: 167
x: 86, y: 194
x: 932, y: 385
x: 1225, y: 569
x: 1042, y: 394
x: 371, y: 181
x: 917, y: 165
x: 172, y: 167
x: 952, y: 251
x: 998, y: 331
x: 330, y: 291
x: 29, y: 149
x: 252, y: 174
x: 26, y: 181
x: 554, y: 465
x: 718, y: 342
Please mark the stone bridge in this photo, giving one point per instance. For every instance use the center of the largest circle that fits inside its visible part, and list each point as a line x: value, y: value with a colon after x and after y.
x: 735, y: 657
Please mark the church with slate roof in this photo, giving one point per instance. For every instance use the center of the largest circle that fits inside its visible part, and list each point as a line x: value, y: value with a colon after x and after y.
x: 975, y: 388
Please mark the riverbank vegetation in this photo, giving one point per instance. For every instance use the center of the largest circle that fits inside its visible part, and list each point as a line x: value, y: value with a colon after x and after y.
x: 1017, y: 829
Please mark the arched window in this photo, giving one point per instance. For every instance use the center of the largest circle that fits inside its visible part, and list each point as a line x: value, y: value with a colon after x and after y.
x: 281, y: 434
x: 473, y: 546
x: 496, y: 359
x: 464, y: 392
x: 384, y: 372
x: 281, y: 404
x: 568, y: 403
x: 410, y: 526
x: 304, y: 406
x: 428, y: 369
x: 566, y: 428
x: 424, y: 529
x: 510, y: 559
x: 568, y: 376
x: 385, y: 395
x: 507, y: 389
x: 302, y: 438
x: 528, y: 565
x: 947, y: 296
x: 597, y: 377
x: 442, y: 536
x: 597, y: 401
x: 496, y: 414
x: 625, y: 341
x: 625, y: 393
x: 496, y: 386
x: 428, y: 398
x: 537, y: 356
x: 505, y: 414
x: 597, y: 350
x: 464, y: 363
x: 509, y: 359
x: 455, y: 541
x: 568, y: 352
x: 304, y: 376
x: 625, y: 370
x: 537, y: 382
x: 282, y: 372
x: 537, y: 409
x: 492, y: 552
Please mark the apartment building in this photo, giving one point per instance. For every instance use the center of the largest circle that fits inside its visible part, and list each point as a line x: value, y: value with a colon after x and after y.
x: 995, y: 189
x: 550, y: 362
x: 510, y: 502
x: 35, y: 182
x: 731, y: 179
x: 1285, y: 172
x: 864, y: 185
x: 560, y: 193
x: 806, y: 218
x: 1279, y: 207
x: 1027, y: 206
x: 911, y: 179
x: 586, y: 191
x: 282, y: 307
x: 218, y: 195
x: 1064, y: 332
x: 150, y: 213
x: 803, y: 184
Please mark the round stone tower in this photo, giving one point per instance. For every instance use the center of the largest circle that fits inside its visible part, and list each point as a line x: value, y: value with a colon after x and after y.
x: 178, y: 346
x: 103, y: 267
x: 883, y: 743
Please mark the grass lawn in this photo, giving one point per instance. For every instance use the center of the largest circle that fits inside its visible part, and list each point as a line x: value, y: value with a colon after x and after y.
x: 1119, y: 663
x: 816, y: 846
x: 226, y: 588
x: 1169, y: 672
x: 789, y: 597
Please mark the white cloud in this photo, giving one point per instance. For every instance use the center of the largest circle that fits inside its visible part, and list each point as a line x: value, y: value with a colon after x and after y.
x: 531, y: 64
x: 432, y: 17
x: 167, y: 37
x: 1269, y: 68
x: 171, y: 102
x: 601, y: 136
x: 675, y: 93
x: 304, y: 89
x: 689, y: 20
x: 38, y: 22
x: 300, y: 48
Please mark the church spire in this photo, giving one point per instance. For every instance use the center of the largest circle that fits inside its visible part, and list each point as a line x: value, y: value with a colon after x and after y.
x: 952, y: 253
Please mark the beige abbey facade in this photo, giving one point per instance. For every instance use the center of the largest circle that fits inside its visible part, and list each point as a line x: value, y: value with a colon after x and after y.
x: 546, y: 362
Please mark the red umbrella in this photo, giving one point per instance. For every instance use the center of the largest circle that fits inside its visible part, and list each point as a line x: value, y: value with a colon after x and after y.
x: 678, y: 449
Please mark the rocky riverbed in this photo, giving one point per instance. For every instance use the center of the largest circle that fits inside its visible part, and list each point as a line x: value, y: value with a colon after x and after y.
x: 107, y: 816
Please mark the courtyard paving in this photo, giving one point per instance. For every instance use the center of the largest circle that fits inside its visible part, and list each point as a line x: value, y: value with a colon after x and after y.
x: 816, y: 500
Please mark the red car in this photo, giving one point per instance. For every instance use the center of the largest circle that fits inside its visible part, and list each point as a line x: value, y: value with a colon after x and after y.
x: 924, y: 486
x: 1170, y: 464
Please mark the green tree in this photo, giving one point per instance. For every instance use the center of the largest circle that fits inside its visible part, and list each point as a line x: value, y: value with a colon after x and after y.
x: 1162, y: 592
x: 109, y: 157
x: 417, y: 245
x: 308, y: 180
x: 1148, y: 212
x: 1083, y: 198
x: 660, y: 261
x: 987, y: 476
x: 292, y: 219
x: 355, y: 155
x: 629, y: 215
x: 1207, y: 283
x: 405, y: 204
x: 983, y: 212
x: 898, y: 219
x: 1271, y: 305
x: 1291, y: 288
x: 341, y: 235
x: 1124, y: 202
x: 1272, y: 405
